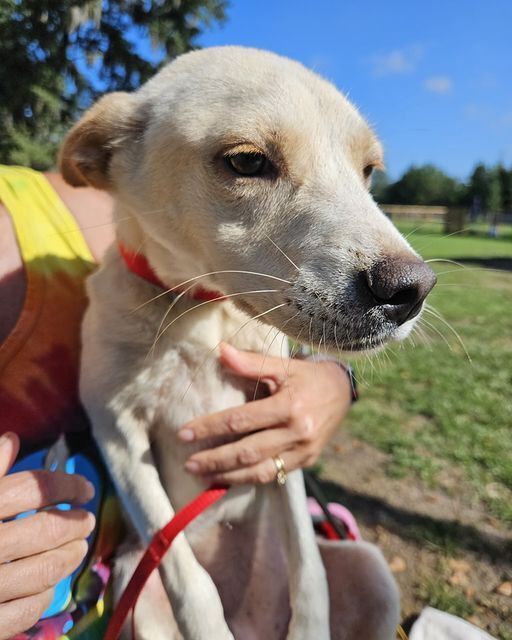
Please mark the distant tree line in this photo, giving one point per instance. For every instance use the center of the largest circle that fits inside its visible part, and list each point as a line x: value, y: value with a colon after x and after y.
x: 58, y: 56
x: 488, y: 189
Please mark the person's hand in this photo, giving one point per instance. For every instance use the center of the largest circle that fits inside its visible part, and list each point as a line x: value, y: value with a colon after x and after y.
x: 38, y: 551
x: 308, y: 402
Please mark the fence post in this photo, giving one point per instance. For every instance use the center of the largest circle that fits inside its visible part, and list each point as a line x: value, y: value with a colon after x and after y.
x: 455, y: 219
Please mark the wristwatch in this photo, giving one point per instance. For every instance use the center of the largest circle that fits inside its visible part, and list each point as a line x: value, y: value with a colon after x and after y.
x: 351, y: 378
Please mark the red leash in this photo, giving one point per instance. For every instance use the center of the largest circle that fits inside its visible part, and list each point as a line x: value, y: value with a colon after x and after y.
x: 160, y: 544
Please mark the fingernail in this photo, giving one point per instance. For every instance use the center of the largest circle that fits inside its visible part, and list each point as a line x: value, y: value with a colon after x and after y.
x: 187, y: 435
x: 192, y: 466
x: 89, y: 490
x: 90, y: 521
x: 4, y: 438
x: 228, y: 347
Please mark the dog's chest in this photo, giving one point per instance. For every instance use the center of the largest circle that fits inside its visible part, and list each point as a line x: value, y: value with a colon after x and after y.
x: 181, y: 385
x: 237, y: 532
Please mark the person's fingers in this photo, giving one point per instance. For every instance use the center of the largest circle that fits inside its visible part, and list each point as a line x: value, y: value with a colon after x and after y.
x: 256, y: 366
x: 38, y: 573
x: 9, y: 447
x: 22, y: 614
x: 29, y: 490
x: 246, y: 452
x: 43, y: 531
x: 245, y: 418
x: 263, y: 472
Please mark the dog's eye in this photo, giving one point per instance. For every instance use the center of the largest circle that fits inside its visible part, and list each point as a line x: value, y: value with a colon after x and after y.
x: 367, y: 171
x: 248, y: 164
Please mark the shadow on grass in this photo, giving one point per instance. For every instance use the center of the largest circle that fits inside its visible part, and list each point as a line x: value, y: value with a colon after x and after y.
x: 503, y: 263
x: 447, y: 535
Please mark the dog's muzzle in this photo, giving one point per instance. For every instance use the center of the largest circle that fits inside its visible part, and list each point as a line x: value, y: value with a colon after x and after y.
x: 360, y: 311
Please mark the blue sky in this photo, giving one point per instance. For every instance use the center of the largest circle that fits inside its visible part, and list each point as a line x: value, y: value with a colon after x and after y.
x: 434, y: 78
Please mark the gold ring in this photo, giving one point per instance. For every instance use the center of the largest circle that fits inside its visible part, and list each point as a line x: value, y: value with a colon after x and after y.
x: 281, y: 475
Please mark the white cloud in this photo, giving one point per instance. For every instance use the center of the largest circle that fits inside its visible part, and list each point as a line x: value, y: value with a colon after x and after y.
x: 438, y: 84
x: 398, y: 61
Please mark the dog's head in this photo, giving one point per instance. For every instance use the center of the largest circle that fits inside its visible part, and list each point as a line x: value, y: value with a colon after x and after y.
x: 242, y: 162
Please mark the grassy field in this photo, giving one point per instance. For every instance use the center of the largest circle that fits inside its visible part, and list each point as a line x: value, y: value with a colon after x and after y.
x: 446, y: 399
x: 425, y: 458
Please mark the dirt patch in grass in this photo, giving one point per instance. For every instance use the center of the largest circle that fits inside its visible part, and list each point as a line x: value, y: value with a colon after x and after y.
x: 444, y: 547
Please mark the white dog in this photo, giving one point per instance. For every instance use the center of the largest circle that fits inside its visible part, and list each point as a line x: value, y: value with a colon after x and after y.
x: 234, y: 163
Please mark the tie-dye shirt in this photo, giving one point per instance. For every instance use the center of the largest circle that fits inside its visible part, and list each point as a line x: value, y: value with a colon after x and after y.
x: 39, y: 375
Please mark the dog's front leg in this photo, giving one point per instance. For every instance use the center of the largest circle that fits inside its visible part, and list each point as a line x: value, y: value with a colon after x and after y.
x: 309, y: 594
x: 195, y: 601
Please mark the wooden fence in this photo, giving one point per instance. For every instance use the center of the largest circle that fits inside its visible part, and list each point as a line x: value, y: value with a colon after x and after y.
x: 415, y: 212
x: 451, y: 218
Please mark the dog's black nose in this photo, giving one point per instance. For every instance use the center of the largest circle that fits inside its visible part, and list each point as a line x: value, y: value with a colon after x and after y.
x: 399, y: 286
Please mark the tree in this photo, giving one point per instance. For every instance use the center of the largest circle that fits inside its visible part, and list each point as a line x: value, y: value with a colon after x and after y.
x: 479, y: 187
x: 59, y: 55
x: 426, y: 185
x: 505, y: 178
x: 380, y: 186
x: 494, y: 199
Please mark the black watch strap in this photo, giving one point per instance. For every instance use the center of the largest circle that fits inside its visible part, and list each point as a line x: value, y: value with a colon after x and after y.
x: 352, y: 379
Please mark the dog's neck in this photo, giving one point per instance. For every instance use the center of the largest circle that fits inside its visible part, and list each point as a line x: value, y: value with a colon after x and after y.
x: 172, y: 266
x: 138, y: 263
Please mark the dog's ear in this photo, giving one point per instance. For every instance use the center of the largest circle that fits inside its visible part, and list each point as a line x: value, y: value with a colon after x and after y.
x: 84, y: 157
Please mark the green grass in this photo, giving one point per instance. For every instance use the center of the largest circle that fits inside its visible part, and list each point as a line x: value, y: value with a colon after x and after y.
x: 440, y: 595
x: 425, y: 403
x: 472, y: 243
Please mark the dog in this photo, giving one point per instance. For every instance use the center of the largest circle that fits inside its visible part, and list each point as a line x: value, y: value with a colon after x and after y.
x: 247, y: 167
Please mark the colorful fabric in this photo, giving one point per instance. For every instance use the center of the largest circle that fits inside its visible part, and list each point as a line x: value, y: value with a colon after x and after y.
x: 39, y: 363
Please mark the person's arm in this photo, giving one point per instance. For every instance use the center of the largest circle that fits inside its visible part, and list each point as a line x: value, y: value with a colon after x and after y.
x: 38, y: 551
x: 92, y: 210
x: 308, y: 402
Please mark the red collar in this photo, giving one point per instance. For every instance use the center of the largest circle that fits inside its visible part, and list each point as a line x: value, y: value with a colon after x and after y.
x: 138, y: 263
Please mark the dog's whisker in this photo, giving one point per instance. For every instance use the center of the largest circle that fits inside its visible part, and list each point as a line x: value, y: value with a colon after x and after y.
x: 444, y: 237
x: 166, y: 314
x: 385, y: 353
x: 202, y: 304
x: 414, y: 230
x: 256, y: 387
x: 169, y: 309
x: 320, y: 345
x: 421, y: 331
x: 459, y: 264
x: 439, y: 333
x: 467, y: 269
x: 325, y: 339
x: 437, y: 315
x: 286, y: 371
x: 267, y: 351
x: 296, y: 267
x: 294, y: 350
x: 283, y: 363
x: 282, y: 252
x: 456, y: 284
x: 204, y: 275
x: 228, y: 339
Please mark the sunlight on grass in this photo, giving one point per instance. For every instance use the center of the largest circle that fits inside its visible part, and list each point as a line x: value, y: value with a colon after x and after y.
x: 436, y: 413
